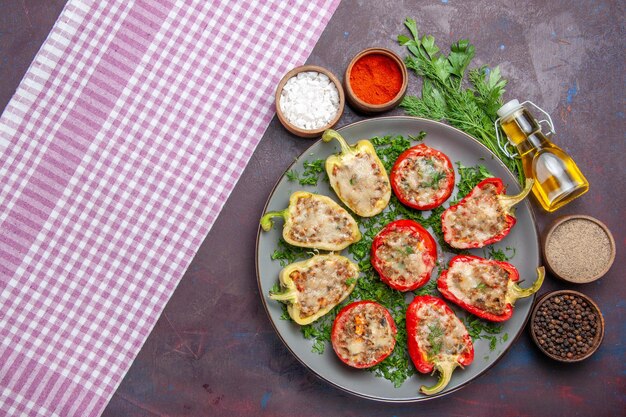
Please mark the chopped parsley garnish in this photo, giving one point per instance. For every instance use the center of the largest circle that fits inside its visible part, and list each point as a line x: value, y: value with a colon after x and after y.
x: 480, y: 329
x: 389, y: 148
x: 397, y: 367
x: 505, y: 254
x: 470, y: 177
x: 350, y: 281
x: 311, y: 173
x: 434, y: 181
x: 435, y: 339
x: 429, y: 289
x: 288, y: 254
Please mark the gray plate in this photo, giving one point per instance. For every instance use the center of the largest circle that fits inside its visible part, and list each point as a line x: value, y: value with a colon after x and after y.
x: 459, y: 147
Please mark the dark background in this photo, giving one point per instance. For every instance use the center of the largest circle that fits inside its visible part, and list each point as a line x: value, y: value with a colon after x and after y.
x: 213, y: 351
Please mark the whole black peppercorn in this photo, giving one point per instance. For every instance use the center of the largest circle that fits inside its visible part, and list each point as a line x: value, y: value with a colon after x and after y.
x: 565, y: 326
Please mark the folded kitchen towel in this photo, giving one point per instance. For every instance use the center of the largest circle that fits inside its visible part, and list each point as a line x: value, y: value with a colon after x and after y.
x: 117, y: 152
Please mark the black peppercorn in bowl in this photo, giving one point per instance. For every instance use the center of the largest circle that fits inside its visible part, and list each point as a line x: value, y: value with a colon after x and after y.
x: 566, y: 325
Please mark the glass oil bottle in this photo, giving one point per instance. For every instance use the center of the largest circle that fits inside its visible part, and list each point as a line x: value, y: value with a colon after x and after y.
x: 558, y: 179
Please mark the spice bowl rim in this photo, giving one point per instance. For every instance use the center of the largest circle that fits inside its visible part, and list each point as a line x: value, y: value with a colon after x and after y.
x: 360, y: 105
x: 550, y: 231
x: 304, y: 133
x: 597, y: 341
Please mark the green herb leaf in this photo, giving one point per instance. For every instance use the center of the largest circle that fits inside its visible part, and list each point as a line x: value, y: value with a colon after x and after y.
x: 403, y: 40
x: 428, y: 43
x: 292, y: 175
x: 419, y: 137
x: 412, y: 26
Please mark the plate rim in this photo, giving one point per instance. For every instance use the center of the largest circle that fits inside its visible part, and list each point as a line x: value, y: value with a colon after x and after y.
x: 333, y: 384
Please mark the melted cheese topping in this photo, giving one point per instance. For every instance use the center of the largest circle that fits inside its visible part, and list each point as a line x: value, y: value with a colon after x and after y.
x: 322, y: 283
x: 366, y: 335
x: 439, y: 334
x: 403, y: 258
x: 361, y: 183
x: 479, y: 219
x: 480, y: 284
x: 423, y: 179
x: 313, y: 222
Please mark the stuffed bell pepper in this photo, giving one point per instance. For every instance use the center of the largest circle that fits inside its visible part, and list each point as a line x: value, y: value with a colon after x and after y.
x: 485, y: 287
x: 363, y: 334
x: 437, y: 340
x: 358, y: 176
x: 422, y: 177
x: 483, y: 217
x: 404, y: 255
x: 313, y: 287
x: 315, y: 221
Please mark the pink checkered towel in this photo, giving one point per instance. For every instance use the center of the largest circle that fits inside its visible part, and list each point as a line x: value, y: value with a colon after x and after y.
x: 117, y: 152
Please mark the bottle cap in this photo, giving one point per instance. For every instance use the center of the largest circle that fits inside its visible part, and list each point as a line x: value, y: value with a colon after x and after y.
x: 508, y: 108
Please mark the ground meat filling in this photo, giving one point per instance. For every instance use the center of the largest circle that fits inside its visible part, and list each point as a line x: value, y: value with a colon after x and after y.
x: 479, y: 284
x: 314, y: 222
x: 423, y: 179
x: 361, y: 183
x: 439, y: 334
x: 478, y: 220
x: 366, y: 335
x: 402, y: 257
x: 321, y: 284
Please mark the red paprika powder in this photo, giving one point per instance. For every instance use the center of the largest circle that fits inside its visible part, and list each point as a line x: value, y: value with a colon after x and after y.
x: 376, y: 79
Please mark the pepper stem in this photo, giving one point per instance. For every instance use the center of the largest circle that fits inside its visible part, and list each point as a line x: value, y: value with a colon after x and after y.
x: 331, y: 134
x: 509, y: 201
x: 518, y: 292
x: 445, y: 373
x: 266, y: 220
x: 291, y: 294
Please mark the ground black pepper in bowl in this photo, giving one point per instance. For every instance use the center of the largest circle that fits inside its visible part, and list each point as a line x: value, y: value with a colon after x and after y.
x: 567, y: 325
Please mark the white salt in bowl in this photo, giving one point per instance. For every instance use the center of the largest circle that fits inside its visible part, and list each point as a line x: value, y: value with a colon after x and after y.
x: 316, y: 104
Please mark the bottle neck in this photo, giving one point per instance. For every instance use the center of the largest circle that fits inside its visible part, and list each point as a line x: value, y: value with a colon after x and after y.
x: 533, y: 142
x: 523, y: 131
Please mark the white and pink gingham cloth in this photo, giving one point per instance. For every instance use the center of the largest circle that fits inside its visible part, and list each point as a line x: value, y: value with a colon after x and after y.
x: 117, y: 152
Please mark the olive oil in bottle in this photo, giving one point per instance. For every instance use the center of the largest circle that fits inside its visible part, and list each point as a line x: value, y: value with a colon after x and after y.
x: 557, y: 178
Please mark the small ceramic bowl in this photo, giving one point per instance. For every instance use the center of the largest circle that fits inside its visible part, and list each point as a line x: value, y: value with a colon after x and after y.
x: 567, y: 325
x: 298, y: 131
x: 359, y: 105
x: 578, y: 249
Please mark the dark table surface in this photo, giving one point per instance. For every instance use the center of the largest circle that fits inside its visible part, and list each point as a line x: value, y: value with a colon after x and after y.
x: 213, y: 350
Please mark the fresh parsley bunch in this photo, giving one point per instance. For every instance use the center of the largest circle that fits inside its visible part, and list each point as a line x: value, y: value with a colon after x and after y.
x: 473, y: 109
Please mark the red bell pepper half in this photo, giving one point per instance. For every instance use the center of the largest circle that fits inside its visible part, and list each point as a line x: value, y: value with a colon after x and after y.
x: 404, y: 255
x: 485, y: 287
x: 422, y: 177
x: 483, y: 217
x: 437, y: 340
x: 363, y: 334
